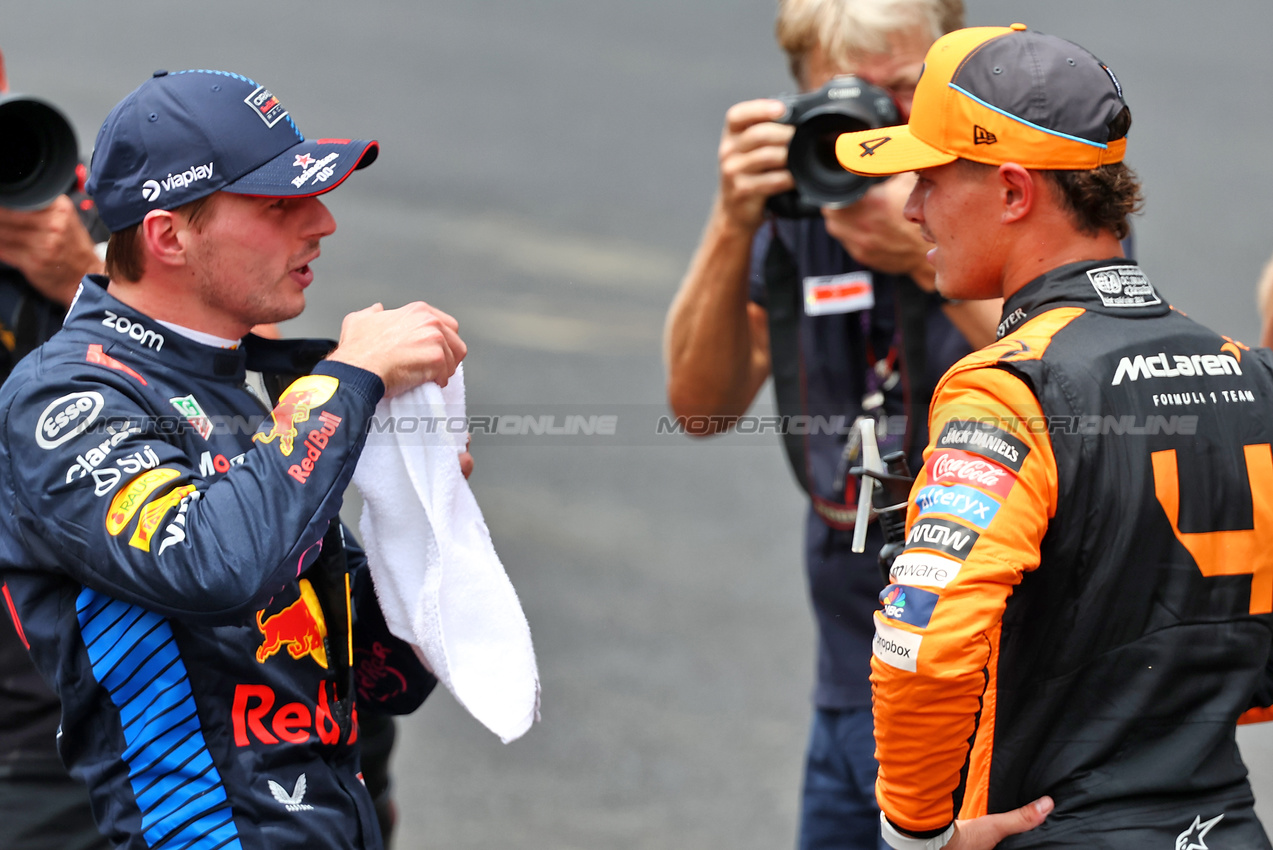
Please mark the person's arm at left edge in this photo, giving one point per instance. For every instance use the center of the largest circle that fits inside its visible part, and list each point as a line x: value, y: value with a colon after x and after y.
x: 877, y: 235
x: 933, y: 653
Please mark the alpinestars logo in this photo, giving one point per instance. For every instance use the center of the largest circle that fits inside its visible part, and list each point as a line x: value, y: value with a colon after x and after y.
x: 1192, y: 838
x: 292, y: 802
x: 982, y: 136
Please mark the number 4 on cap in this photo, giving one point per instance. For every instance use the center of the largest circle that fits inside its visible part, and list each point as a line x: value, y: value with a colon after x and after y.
x: 1247, y: 551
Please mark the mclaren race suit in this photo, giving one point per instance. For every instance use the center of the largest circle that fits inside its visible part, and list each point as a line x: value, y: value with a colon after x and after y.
x: 1082, y: 608
x: 170, y: 551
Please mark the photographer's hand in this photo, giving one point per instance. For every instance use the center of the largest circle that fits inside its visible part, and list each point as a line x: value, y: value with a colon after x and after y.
x: 50, y: 247
x: 876, y: 234
x: 406, y: 347
x: 753, y: 161
x: 716, y: 342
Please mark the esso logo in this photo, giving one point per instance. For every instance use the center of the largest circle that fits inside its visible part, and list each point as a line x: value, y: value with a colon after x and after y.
x: 67, y: 417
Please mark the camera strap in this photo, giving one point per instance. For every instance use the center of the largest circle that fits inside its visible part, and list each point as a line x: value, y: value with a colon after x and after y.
x: 783, y: 305
x: 784, y: 308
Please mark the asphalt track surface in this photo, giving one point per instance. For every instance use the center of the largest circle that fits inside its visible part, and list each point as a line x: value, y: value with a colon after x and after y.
x: 545, y: 173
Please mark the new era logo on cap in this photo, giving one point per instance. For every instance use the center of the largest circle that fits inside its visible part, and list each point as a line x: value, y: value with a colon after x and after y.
x: 982, y: 136
x: 180, y: 137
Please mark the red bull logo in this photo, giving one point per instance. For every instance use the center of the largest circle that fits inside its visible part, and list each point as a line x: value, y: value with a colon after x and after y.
x: 302, y: 396
x: 300, y: 627
x: 254, y: 719
x: 315, y: 442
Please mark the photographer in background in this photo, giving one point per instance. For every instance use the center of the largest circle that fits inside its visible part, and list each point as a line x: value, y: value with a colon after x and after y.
x: 857, y: 329
x: 43, y: 256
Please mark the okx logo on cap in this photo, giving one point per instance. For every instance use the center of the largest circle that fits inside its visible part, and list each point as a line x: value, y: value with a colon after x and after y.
x: 182, y: 136
x: 996, y: 95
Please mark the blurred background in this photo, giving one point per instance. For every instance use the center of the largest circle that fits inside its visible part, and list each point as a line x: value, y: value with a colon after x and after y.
x: 545, y: 171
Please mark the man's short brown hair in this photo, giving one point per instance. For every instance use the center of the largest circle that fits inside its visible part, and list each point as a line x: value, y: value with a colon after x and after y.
x: 125, y: 260
x: 1100, y: 199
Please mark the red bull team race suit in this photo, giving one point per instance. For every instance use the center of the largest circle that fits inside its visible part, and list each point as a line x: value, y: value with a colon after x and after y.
x: 172, y: 556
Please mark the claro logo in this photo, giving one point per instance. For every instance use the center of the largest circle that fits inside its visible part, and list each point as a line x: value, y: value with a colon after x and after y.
x: 67, y: 417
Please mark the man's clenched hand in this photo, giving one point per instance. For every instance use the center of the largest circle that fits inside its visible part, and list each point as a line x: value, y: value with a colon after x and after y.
x: 406, y: 347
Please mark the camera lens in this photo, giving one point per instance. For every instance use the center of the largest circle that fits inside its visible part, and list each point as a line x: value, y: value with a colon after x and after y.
x: 37, y: 153
x: 811, y: 157
x: 19, y: 148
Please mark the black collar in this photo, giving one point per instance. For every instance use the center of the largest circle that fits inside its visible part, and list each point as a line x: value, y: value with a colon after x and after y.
x: 1116, y: 287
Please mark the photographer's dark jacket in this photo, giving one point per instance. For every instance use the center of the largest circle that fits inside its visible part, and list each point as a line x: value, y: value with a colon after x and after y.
x: 29, y: 711
x: 825, y: 367
x: 170, y: 550
x: 1083, y: 608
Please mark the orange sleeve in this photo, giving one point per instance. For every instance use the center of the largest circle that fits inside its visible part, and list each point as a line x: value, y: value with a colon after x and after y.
x: 1256, y: 715
x: 977, y: 516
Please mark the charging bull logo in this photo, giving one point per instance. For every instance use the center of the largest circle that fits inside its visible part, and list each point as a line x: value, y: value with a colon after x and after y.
x: 302, y: 396
x: 300, y: 627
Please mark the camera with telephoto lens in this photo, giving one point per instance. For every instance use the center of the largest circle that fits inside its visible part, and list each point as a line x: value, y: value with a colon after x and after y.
x: 38, y: 153
x: 844, y: 105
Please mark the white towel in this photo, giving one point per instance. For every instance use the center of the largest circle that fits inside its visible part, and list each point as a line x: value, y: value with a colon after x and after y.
x: 440, y: 584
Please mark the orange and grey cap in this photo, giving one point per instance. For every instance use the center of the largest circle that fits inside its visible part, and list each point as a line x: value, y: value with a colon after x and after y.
x: 996, y: 95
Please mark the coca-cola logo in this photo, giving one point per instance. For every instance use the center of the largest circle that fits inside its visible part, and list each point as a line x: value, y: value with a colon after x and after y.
x: 981, y: 472
x: 950, y: 466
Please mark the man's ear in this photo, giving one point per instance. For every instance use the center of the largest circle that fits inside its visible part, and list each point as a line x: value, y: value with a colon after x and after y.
x: 163, y: 233
x: 4, y: 78
x: 1018, y: 191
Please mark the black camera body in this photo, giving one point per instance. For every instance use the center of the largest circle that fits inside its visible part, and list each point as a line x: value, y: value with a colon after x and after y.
x: 38, y: 153
x: 845, y: 104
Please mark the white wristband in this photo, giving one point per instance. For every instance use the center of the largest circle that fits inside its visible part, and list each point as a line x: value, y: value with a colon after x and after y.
x: 898, y: 841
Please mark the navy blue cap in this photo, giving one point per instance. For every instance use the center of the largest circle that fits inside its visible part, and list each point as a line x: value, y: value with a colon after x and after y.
x: 185, y: 135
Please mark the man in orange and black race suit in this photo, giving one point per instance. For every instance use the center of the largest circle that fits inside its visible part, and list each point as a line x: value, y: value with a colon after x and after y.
x: 1082, y: 611
x: 170, y: 546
